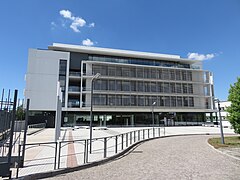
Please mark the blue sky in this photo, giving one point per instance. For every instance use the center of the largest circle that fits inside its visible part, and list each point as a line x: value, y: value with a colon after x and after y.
x: 210, y: 29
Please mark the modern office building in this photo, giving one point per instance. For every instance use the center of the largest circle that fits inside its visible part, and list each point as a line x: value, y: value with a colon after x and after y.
x: 131, y: 87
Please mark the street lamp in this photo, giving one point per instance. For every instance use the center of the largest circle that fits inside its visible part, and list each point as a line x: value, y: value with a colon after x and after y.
x: 96, y: 76
x: 153, y: 104
x: 220, y: 119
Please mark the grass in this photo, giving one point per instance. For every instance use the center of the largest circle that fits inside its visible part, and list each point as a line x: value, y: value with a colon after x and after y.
x: 230, y: 141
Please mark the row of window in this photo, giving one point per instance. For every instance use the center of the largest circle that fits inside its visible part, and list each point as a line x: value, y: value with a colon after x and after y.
x: 140, y: 72
x: 138, y: 61
x: 133, y: 100
x: 141, y: 86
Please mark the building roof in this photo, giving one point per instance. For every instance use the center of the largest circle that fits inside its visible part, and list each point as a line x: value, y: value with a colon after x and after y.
x: 118, y: 52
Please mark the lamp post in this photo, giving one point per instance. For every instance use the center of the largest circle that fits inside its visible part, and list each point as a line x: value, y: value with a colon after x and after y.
x: 153, y: 104
x: 220, y: 119
x: 96, y: 76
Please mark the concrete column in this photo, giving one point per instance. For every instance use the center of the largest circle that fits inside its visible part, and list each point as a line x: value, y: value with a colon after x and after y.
x: 132, y: 120
x: 105, y: 120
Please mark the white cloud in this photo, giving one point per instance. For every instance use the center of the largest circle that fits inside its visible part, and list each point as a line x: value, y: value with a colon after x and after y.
x: 76, y: 22
x: 91, y: 24
x: 87, y: 42
x: 53, y: 25
x: 66, y: 14
x: 196, y: 56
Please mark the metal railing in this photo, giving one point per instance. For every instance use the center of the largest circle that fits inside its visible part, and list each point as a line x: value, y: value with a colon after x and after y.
x: 103, y: 147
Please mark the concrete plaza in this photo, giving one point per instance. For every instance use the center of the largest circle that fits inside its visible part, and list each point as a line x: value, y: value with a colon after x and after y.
x: 40, y: 159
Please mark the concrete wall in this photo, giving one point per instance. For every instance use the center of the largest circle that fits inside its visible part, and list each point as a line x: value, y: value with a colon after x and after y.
x: 42, y: 77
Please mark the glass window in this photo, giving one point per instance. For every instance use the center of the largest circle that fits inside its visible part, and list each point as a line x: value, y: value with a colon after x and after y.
x: 179, y: 101
x: 118, y: 71
x: 172, y: 87
x: 111, y: 85
x: 185, y: 88
x: 119, y: 85
x: 161, y: 101
x: 133, y: 100
x: 166, y: 88
x: 173, y: 101
x: 104, y: 84
x: 97, y: 84
x: 160, y: 74
x: 178, y: 88
x: 172, y: 74
x: 185, y: 101
x: 190, y: 88
x: 153, y: 86
x: 191, y: 101
x: 141, y: 100
x: 132, y: 72
x: 140, y: 86
x: 153, y: 74
x: 184, y: 75
x: 125, y: 72
x: 139, y: 72
x: 165, y: 74
x: 189, y: 75
x: 133, y: 85
x: 147, y: 73
x: 126, y: 100
x: 111, y: 71
x: 147, y: 86
x: 125, y: 86
x: 178, y: 75
x: 111, y: 100
x: 118, y: 100
x: 167, y: 101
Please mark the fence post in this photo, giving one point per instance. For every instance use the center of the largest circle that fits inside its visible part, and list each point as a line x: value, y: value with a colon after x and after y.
x: 116, y: 144
x: 12, y: 130
x: 105, y: 148
x: 130, y: 137
x: 19, y: 161
x: 159, y: 132
x: 55, y: 159
x: 148, y: 133
x: 164, y: 131
x: 143, y: 133
x: 25, y: 132
x: 134, y: 136
x: 122, y: 141
x: 126, y: 139
x: 138, y: 135
x: 87, y: 151
x: 59, y: 154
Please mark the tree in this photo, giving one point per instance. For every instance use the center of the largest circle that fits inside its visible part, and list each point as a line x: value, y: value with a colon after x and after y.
x: 20, y: 114
x: 234, y: 109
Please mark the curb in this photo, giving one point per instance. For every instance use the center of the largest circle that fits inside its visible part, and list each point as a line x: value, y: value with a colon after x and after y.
x: 103, y: 161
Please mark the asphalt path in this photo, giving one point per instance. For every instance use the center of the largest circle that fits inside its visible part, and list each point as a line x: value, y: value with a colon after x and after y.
x: 182, y: 157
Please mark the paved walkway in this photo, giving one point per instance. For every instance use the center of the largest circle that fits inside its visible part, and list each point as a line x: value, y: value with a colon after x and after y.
x: 188, y: 157
x: 40, y: 159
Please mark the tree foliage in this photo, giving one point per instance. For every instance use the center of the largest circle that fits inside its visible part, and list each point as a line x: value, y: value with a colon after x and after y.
x: 234, y: 109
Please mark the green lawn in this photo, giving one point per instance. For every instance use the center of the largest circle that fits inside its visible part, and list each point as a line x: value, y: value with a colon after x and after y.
x: 232, y: 141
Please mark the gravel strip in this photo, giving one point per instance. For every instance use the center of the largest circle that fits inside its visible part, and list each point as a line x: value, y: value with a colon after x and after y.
x: 188, y: 157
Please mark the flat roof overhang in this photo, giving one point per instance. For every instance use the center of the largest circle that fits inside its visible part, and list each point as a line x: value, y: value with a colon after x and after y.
x: 118, y: 52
